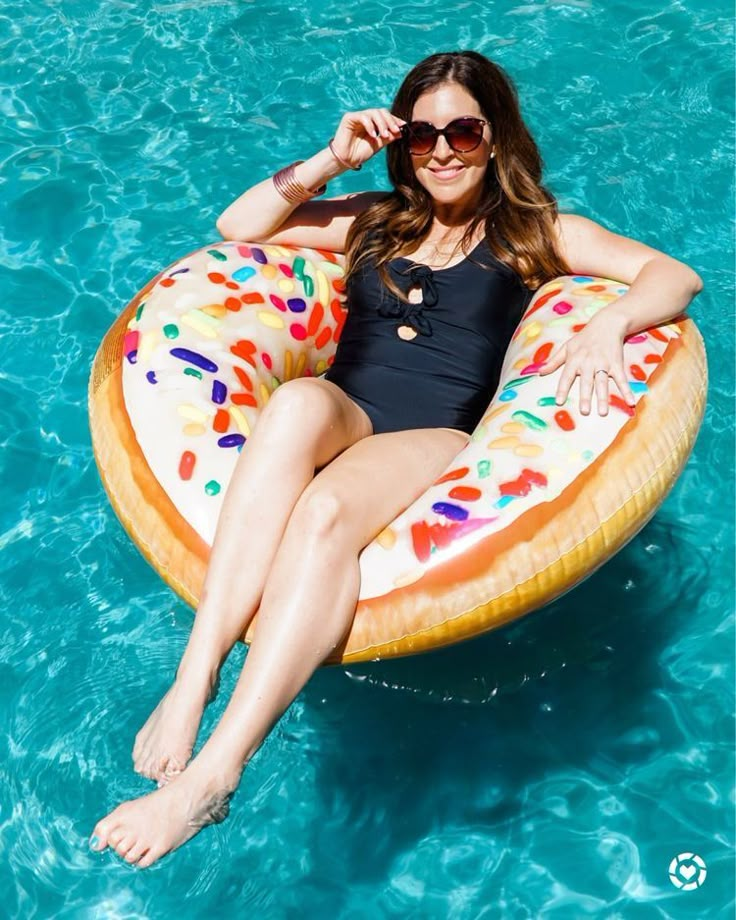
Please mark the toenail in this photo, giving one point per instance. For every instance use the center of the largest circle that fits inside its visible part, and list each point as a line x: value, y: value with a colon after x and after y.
x: 94, y: 842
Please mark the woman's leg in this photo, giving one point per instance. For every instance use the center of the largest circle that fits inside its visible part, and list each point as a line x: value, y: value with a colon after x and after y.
x: 307, y: 607
x: 305, y: 424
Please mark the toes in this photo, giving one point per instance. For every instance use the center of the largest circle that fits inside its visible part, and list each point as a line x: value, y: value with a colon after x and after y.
x: 135, y: 852
x: 100, y: 837
x: 148, y: 859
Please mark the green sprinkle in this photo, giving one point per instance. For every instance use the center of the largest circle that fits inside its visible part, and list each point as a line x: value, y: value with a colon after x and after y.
x: 531, y: 421
x: 587, y: 455
x: 212, y: 487
x: 484, y: 468
x: 139, y: 311
x: 275, y: 382
x: 171, y: 331
x: 220, y: 256
x: 308, y: 286
x: 519, y: 380
x: 546, y: 401
x: 298, y: 268
x: 193, y: 372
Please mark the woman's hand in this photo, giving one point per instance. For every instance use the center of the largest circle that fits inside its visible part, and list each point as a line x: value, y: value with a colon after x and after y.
x: 361, y: 134
x: 599, y: 346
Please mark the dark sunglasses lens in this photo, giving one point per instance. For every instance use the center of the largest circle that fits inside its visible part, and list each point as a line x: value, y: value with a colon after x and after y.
x: 421, y: 138
x: 464, y: 136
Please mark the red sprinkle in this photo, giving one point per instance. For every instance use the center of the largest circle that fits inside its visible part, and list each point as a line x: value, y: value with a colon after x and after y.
x: 186, y: 465
x: 421, y: 541
x: 564, y: 420
x: 465, y: 493
x: 221, y: 421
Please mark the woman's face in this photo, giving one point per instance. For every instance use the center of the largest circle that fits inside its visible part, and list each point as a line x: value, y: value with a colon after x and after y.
x: 441, y: 106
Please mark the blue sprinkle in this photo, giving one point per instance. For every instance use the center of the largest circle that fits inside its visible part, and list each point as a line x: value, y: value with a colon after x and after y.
x: 231, y: 440
x: 508, y: 395
x: 219, y: 392
x: 296, y: 305
x: 132, y: 356
x: 195, y: 358
x: 179, y: 271
x: 582, y: 278
x: 639, y: 386
x: 503, y: 501
x: 151, y: 377
x: 259, y: 255
x: 448, y: 510
x: 242, y: 274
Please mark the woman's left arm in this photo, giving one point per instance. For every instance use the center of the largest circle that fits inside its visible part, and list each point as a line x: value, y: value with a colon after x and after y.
x: 660, y: 288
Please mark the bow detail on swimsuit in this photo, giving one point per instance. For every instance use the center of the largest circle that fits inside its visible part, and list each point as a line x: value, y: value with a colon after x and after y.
x: 412, y: 313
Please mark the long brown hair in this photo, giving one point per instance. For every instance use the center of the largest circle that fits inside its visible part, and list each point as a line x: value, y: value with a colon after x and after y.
x: 518, y: 211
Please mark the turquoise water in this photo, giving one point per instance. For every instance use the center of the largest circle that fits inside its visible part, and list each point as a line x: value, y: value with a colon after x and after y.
x: 551, y: 769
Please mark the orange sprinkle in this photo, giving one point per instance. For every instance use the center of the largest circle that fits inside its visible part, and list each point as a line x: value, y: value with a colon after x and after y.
x: 459, y: 473
x: 244, y: 399
x: 168, y: 282
x: 252, y: 297
x: 323, y: 338
x: 465, y: 493
x: 637, y: 373
x: 221, y: 421
x: 315, y: 320
x: 652, y: 359
x: 216, y: 277
x: 244, y: 379
x: 232, y: 303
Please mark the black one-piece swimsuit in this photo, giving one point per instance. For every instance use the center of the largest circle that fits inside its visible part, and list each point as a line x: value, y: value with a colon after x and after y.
x: 446, y: 376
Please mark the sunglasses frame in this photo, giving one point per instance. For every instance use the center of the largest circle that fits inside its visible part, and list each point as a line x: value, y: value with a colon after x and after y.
x: 443, y: 131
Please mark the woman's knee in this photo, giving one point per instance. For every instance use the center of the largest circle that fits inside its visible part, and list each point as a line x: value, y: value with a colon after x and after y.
x: 321, y: 511
x: 298, y: 406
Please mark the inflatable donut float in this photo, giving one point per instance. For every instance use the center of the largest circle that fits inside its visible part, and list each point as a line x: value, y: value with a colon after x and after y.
x: 540, y: 497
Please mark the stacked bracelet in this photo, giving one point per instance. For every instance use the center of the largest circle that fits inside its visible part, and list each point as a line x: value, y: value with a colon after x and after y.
x: 290, y: 188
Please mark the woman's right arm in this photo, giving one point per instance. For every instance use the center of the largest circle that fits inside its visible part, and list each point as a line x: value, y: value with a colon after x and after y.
x: 262, y: 214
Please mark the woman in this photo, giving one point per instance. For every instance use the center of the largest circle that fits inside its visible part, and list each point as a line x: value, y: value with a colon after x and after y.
x: 471, y: 233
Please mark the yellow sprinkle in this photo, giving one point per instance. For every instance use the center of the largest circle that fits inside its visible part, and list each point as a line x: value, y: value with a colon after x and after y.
x: 408, y: 578
x: 240, y: 420
x: 195, y: 323
x: 497, y: 411
x: 217, y: 310
x: 532, y: 330
x: 528, y: 450
x: 265, y: 393
x: 674, y: 328
x: 320, y: 366
x: 520, y: 364
x: 503, y: 443
x: 186, y: 410
x: 268, y: 272
x: 288, y: 362
x: 147, y: 344
x: 386, y: 538
x: 194, y: 428
x: 512, y: 427
x: 270, y: 320
x: 275, y: 251
x: 300, y: 362
x: 332, y: 268
x: 323, y: 288
x: 286, y: 285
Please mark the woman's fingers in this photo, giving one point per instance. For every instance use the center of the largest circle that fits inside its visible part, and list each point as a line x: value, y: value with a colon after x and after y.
x: 601, y: 392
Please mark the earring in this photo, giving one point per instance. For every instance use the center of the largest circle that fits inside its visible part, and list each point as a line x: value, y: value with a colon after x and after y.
x: 493, y: 154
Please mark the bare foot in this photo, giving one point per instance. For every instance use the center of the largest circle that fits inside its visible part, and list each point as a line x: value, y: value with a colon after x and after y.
x: 143, y: 830
x: 164, y: 745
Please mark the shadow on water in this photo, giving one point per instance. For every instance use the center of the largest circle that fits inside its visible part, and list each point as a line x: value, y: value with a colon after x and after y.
x: 492, y: 715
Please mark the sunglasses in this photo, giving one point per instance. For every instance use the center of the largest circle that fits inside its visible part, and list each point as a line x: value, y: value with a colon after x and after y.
x: 462, y: 134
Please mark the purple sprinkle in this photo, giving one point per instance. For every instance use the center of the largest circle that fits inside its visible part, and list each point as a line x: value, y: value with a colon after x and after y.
x: 296, y: 305
x: 219, y: 392
x: 132, y: 356
x: 195, y: 358
x: 231, y: 440
x: 179, y: 271
x: 151, y: 377
x: 448, y: 510
x: 258, y: 255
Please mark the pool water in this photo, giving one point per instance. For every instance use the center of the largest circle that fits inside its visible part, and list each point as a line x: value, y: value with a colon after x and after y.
x: 550, y: 769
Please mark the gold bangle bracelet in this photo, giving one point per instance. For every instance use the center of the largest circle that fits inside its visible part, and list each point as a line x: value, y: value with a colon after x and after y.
x: 290, y: 188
